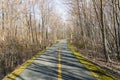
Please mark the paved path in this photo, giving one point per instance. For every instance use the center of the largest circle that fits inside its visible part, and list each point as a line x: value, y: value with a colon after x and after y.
x: 46, y: 66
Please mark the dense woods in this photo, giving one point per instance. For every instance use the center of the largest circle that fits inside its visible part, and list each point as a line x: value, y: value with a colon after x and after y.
x: 26, y: 28
x: 95, y: 27
x: 29, y: 26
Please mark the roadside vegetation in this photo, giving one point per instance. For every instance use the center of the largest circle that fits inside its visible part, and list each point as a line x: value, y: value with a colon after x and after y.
x: 95, y: 70
x: 95, y: 31
x: 26, y: 28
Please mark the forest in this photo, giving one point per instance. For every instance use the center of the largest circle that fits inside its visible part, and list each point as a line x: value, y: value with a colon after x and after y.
x: 95, y: 27
x: 29, y: 26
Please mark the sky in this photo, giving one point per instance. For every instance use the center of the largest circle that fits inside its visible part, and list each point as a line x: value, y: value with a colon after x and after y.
x: 61, y: 8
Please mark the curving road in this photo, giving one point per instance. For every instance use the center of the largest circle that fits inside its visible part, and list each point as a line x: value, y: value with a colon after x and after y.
x: 46, y: 66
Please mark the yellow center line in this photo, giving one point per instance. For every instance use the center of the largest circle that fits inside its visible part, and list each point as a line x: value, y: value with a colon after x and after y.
x: 59, y: 65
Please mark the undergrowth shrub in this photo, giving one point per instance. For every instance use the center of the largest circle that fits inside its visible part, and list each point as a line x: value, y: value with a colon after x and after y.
x: 81, y: 44
x: 13, y: 52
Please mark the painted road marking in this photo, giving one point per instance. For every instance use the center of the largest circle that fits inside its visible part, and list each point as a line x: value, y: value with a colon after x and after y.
x: 59, y: 65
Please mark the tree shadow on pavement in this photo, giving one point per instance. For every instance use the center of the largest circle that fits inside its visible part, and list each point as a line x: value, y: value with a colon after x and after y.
x: 43, y: 68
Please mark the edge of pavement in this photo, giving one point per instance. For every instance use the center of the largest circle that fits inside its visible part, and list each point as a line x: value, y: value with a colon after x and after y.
x: 96, y: 71
x: 22, y: 67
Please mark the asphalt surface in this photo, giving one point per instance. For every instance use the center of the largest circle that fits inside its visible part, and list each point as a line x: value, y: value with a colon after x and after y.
x: 46, y: 66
